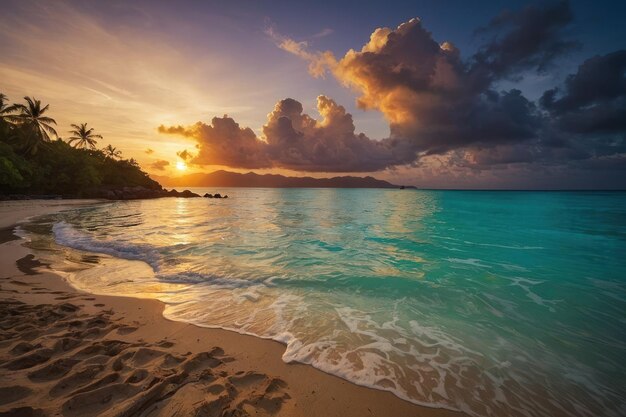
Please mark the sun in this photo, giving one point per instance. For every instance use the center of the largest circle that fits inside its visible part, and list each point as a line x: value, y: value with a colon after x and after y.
x: 181, y: 166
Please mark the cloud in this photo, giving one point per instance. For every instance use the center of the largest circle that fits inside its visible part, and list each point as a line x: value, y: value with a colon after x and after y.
x: 533, y: 38
x: 149, y: 151
x: 318, y: 61
x: 291, y: 139
x: 223, y: 142
x: 184, y: 155
x: 175, y: 130
x: 444, y: 111
x: 297, y: 141
x: 588, y: 113
x: 160, y: 164
x: 437, y: 103
x: 594, y: 99
x: 323, y: 33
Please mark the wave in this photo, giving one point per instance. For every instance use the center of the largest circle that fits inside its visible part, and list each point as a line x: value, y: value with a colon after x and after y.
x: 209, y: 279
x: 66, y: 235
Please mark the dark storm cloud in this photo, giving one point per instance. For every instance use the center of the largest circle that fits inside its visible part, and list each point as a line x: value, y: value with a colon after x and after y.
x: 532, y: 39
x: 440, y: 107
x: 594, y: 99
x: 436, y: 102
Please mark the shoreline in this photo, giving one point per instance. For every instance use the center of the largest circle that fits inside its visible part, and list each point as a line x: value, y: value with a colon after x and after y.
x: 251, y: 370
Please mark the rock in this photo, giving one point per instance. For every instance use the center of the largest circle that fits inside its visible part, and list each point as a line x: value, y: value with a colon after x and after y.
x: 216, y: 195
x: 183, y: 194
x: 188, y: 194
x: 139, y: 192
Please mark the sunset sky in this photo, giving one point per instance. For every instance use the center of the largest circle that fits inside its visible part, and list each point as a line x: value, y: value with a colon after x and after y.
x: 451, y: 94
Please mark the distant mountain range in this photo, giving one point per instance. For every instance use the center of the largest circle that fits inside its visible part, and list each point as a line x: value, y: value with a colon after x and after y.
x: 233, y: 179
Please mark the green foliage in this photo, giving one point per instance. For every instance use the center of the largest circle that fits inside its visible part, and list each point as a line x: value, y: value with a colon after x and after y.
x: 31, y: 163
x: 14, y: 170
x: 9, y: 174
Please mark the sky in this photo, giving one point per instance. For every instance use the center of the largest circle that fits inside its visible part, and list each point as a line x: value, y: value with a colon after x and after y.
x: 455, y: 94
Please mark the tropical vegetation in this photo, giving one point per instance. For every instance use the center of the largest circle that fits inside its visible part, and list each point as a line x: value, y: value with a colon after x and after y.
x: 35, y: 161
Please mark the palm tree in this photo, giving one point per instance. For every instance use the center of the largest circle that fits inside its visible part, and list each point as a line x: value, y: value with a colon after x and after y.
x: 111, y: 152
x: 5, y: 111
x: 84, y: 138
x: 31, y: 115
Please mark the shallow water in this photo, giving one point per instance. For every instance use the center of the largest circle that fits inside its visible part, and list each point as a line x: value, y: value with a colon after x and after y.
x: 494, y: 303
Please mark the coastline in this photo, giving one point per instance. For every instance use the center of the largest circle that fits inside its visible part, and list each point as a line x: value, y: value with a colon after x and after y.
x: 245, y: 373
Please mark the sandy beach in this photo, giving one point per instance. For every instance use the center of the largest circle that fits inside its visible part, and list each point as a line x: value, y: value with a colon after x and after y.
x: 70, y: 353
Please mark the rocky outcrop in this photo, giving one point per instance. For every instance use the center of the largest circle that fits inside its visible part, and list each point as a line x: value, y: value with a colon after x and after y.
x: 216, y: 195
x: 139, y: 192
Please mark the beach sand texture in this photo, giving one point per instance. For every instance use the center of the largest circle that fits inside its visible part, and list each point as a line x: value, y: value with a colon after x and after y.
x: 69, y: 353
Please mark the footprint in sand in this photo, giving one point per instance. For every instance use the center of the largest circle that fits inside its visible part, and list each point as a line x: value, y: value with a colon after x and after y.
x: 13, y: 393
x: 165, y: 344
x: 55, y: 370
x: 24, y: 412
x: 80, y: 371
x: 124, y: 330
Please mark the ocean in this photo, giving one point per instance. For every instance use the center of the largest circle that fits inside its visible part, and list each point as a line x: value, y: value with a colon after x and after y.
x: 491, y: 303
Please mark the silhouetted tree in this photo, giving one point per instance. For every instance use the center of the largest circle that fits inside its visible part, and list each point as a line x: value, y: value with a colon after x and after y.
x: 6, y: 110
x: 32, y: 115
x: 111, y: 152
x: 83, y: 137
x: 7, y: 133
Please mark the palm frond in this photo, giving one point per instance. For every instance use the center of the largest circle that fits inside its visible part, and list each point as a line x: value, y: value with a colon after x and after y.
x: 31, y: 103
x: 14, y: 118
x: 9, y: 109
x: 20, y: 107
x: 49, y: 129
x: 47, y: 120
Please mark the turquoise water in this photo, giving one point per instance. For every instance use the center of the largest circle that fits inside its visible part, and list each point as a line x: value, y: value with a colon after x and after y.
x: 493, y: 303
